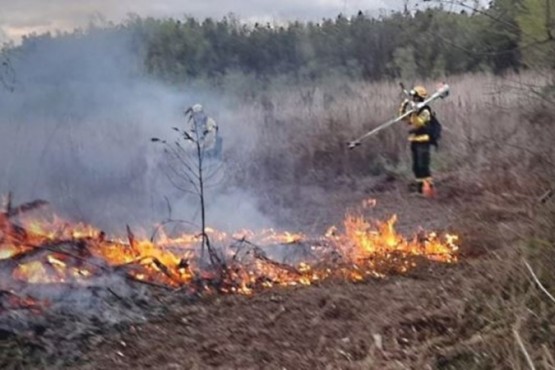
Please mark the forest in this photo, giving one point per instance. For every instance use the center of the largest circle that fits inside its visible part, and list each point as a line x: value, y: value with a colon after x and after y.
x: 509, y: 35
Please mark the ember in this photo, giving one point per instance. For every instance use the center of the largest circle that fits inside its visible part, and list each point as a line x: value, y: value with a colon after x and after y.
x: 58, y: 252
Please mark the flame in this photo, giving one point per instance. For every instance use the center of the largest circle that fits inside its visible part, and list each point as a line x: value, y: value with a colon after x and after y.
x: 57, y: 251
x: 383, y: 239
x: 7, y: 251
x: 33, y: 272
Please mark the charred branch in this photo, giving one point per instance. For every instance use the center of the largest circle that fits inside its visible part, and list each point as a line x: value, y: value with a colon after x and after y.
x: 162, y: 224
x: 26, y: 207
x: 259, y: 254
x: 132, y: 240
x: 74, y: 249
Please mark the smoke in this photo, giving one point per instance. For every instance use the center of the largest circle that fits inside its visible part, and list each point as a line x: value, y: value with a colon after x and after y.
x: 76, y: 132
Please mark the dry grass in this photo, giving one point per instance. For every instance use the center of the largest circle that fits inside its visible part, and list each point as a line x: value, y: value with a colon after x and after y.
x: 508, y: 317
x: 306, y: 128
x: 498, y: 141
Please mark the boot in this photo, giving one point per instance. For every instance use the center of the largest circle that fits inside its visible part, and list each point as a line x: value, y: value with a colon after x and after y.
x: 427, y: 189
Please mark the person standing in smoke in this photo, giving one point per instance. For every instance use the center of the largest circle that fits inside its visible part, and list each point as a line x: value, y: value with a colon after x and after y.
x: 205, y: 130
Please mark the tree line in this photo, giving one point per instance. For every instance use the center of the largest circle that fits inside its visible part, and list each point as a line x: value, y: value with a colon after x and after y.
x: 507, y: 35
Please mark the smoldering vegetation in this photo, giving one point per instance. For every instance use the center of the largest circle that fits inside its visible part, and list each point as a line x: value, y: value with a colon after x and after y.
x: 76, y: 131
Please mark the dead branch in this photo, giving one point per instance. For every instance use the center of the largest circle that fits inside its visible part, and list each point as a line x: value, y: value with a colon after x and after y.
x: 120, y: 298
x: 169, y: 207
x: 214, y: 258
x: 259, y: 254
x: 131, y: 238
x: 523, y: 349
x: 165, y: 269
x: 538, y: 281
x: 26, y: 207
x: 37, y: 251
x: 176, y: 185
x: 141, y: 261
x: 166, y: 222
x: 546, y: 196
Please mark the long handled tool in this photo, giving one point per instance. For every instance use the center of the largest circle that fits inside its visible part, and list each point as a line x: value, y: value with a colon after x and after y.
x: 405, y: 91
x: 442, y: 92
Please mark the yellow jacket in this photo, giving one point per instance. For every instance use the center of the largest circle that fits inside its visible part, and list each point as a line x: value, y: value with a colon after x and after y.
x: 418, y: 122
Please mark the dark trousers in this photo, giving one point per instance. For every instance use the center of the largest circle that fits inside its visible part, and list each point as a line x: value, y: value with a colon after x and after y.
x: 421, y: 160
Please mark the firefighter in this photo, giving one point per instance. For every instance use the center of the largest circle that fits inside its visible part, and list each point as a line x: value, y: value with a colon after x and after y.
x: 205, y: 130
x: 420, y: 140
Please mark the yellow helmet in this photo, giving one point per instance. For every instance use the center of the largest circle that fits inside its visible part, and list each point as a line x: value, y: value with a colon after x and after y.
x: 419, y: 91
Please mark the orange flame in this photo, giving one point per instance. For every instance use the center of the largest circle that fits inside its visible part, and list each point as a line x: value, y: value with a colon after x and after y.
x: 56, y: 251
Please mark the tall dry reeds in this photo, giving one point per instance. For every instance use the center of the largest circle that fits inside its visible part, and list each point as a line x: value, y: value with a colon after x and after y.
x: 498, y: 142
x: 302, y: 130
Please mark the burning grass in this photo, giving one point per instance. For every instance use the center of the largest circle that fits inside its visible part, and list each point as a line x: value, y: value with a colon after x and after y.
x: 52, y: 251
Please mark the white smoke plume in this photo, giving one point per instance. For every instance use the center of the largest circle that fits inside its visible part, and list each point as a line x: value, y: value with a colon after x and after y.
x: 76, y: 132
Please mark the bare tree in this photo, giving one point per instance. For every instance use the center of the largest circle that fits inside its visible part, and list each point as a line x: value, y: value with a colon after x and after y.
x: 192, y: 168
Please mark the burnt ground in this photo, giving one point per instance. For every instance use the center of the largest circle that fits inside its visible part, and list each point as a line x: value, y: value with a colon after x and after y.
x: 392, y: 323
x: 334, y: 325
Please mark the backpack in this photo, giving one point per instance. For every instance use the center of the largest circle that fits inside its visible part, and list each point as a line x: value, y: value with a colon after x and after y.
x: 434, y: 128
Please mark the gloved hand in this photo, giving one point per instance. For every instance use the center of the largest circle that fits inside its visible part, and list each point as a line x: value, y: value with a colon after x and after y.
x: 415, y: 106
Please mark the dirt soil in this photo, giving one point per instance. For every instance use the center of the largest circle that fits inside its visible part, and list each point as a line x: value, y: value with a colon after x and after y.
x: 394, y: 323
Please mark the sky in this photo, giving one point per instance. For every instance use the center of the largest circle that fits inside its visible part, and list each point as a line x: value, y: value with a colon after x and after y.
x: 20, y: 17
